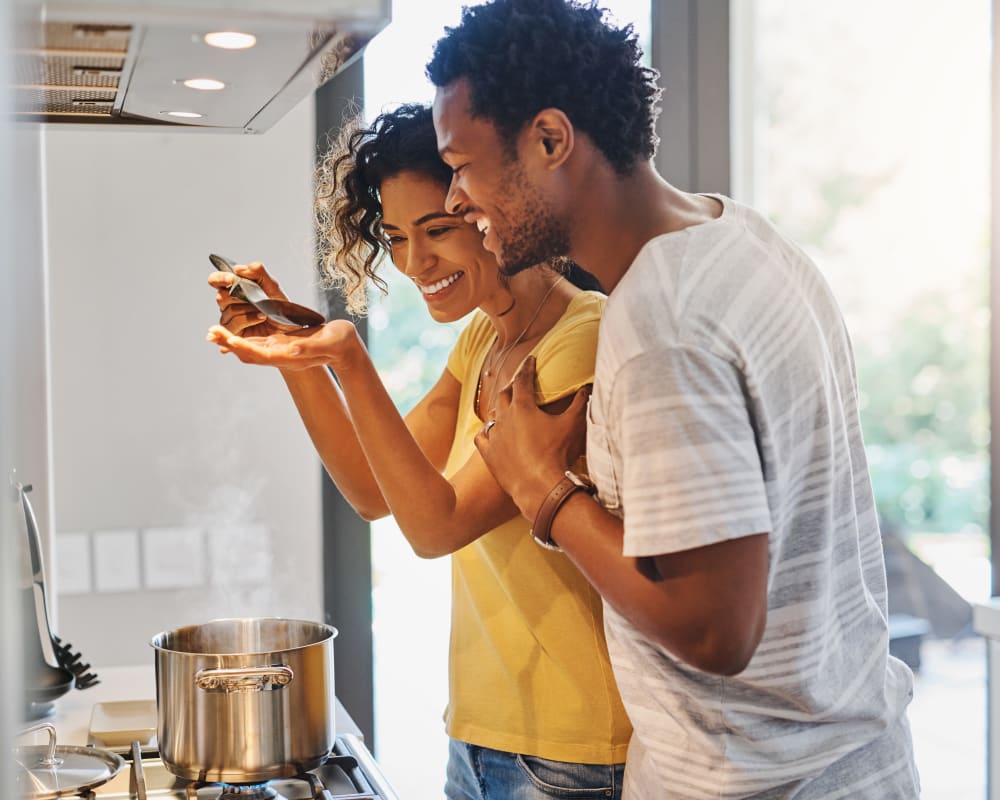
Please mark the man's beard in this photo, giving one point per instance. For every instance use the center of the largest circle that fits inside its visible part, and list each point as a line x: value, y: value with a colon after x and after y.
x: 537, y: 236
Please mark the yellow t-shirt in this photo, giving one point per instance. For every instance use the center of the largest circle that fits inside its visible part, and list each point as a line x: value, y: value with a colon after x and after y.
x: 528, y: 665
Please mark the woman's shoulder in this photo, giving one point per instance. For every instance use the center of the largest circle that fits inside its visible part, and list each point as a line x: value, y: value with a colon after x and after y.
x: 576, y: 331
x: 584, y: 309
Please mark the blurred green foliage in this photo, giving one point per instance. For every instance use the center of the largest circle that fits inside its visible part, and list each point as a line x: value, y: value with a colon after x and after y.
x: 410, y: 350
x: 925, y: 412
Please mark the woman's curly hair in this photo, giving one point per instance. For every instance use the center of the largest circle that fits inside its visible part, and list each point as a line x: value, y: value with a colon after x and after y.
x: 348, y: 206
x: 520, y: 56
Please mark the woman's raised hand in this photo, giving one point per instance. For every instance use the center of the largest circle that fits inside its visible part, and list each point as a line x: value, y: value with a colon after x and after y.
x: 335, y: 344
x: 238, y: 316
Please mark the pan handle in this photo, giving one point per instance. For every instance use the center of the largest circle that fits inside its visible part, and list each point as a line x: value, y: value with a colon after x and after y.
x: 243, y: 679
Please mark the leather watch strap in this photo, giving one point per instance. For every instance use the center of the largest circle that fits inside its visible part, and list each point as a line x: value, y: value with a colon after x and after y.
x: 570, y: 483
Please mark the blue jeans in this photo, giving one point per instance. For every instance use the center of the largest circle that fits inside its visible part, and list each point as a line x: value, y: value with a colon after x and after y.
x: 478, y: 773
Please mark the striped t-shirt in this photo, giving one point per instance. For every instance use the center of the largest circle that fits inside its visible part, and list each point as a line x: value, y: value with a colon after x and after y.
x: 725, y: 404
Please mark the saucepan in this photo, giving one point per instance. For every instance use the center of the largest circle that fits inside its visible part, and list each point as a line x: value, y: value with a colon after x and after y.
x: 245, y: 700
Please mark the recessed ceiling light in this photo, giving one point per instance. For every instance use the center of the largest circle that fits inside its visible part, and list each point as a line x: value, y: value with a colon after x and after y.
x: 205, y: 84
x: 186, y: 114
x: 230, y: 40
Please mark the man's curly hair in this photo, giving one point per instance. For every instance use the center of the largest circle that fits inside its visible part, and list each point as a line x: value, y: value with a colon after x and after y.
x: 348, y: 206
x: 520, y: 56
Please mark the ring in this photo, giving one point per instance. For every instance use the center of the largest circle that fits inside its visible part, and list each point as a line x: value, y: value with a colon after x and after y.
x: 489, y: 424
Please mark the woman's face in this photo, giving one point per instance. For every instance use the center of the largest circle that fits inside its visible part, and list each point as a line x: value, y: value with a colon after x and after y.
x: 441, y: 253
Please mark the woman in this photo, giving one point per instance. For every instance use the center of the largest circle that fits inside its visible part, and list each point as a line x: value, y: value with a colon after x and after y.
x: 533, y: 709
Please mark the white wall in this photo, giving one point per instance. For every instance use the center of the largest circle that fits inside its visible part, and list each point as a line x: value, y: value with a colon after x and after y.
x: 11, y: 689
x: 152, y: 429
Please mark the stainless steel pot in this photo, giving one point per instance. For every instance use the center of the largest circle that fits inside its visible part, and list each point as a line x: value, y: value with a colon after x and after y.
x: 245, y: 700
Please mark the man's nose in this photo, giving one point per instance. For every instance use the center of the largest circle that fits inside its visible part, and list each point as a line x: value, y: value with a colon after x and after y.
x: 456, y: 200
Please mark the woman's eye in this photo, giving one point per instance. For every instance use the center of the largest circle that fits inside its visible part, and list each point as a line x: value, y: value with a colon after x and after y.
x: 436, y: 232
x: 394, y: 240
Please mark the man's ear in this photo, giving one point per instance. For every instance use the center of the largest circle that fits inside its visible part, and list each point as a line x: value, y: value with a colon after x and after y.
x: 551, y: 137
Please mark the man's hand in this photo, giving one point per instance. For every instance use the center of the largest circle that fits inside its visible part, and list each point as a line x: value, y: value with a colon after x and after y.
x: 527, y: 449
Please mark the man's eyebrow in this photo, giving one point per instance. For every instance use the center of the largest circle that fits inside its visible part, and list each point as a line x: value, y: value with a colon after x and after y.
x: 424, y: 219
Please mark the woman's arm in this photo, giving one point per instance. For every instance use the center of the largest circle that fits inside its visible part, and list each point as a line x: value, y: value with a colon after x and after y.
x: 371, y: 452
x: 437, y: 515
x: 318, y: 399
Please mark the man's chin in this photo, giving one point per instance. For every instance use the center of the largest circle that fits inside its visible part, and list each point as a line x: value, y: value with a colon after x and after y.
x: 511, y: 264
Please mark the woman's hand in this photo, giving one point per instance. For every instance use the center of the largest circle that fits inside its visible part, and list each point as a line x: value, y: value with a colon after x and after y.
x: 238, y: 316
x: 336, y: 344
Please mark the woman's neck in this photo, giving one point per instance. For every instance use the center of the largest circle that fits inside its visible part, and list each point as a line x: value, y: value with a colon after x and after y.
x: 537, y: 297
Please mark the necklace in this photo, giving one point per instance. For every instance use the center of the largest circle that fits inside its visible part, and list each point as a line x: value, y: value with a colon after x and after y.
x: 501, y: 358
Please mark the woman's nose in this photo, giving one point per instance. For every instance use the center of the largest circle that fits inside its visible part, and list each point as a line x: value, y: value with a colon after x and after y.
x: 419, y: 258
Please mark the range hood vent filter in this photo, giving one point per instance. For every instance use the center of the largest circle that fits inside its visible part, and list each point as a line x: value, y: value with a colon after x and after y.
x: 93, y: 64
x: 75, y: 72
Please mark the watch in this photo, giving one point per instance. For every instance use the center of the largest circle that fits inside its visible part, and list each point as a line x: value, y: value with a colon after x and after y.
x: 569, y: 484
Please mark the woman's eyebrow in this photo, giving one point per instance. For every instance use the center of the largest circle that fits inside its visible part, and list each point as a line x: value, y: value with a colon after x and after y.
x: 432, y: 216
x: 424, y: 219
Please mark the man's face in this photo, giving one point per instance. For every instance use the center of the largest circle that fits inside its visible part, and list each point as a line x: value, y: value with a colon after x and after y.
x: 502, y: 193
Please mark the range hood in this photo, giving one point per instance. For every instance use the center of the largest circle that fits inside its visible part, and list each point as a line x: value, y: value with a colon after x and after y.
x: 141, y: 62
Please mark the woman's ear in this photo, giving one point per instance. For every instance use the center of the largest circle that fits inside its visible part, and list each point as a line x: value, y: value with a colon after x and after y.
x: 552, y: 135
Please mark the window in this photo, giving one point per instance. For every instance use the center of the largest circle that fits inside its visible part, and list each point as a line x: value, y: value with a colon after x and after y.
x: 411, y: 603
x: 865, y: 136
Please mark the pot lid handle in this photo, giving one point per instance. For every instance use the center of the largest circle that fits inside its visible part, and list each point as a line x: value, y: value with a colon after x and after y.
x: 50, y: 759
x: 49, y: 772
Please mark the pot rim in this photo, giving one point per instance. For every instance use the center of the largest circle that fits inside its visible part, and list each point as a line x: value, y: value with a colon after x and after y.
x: 154, y: 642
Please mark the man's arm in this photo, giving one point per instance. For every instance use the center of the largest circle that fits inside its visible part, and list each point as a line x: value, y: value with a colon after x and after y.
x: 707, y: 605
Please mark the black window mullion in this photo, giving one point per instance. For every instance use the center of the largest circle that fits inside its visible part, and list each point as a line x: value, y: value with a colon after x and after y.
x: 347, y: 563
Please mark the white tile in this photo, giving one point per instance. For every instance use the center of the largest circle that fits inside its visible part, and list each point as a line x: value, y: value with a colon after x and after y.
x: 116, y: 560
x: 173, y: 558
x: 73, y: 563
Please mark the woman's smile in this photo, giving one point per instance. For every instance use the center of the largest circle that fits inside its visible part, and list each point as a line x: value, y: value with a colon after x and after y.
x: 438, y: 289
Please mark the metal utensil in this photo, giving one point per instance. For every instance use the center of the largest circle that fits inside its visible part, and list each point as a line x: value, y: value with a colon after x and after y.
x: 52, y: 771
x: 63, y: 652
x: 46, y: 677
x: 281, y: 311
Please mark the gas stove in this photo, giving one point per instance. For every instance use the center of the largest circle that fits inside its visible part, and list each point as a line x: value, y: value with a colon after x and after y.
x: 349, y: 773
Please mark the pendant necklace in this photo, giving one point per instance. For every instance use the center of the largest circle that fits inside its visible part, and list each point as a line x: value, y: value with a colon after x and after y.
x: 500, y: 359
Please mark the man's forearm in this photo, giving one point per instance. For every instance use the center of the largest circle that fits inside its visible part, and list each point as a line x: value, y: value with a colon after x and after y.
x: 706, y: 606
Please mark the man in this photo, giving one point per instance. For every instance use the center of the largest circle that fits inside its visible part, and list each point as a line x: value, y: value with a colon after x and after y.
x: 735, y: 539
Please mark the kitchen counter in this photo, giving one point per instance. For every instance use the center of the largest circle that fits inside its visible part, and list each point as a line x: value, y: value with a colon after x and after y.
x: 73, y: 709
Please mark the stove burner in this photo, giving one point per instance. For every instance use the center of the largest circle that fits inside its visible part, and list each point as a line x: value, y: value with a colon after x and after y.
x: 348, y: 773
x: 248, y: 791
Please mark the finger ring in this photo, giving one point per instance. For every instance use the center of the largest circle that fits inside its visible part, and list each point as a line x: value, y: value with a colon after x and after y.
x: 489, y: 424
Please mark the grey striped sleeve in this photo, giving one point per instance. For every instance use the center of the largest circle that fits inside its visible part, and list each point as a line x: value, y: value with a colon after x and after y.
x: 692, y: 471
